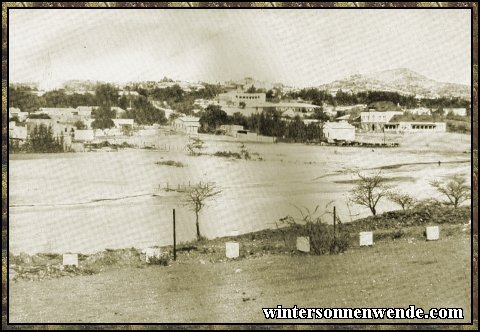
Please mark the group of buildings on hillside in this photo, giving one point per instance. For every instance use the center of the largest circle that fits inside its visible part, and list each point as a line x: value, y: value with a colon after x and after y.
x: 75, y: 124
x: 368, y: 120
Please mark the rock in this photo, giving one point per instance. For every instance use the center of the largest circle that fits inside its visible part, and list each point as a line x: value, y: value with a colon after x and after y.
x: 202, y: 262
x: 238, y: 270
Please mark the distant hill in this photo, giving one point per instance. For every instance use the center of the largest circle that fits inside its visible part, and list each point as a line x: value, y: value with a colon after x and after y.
x: 401, y: 80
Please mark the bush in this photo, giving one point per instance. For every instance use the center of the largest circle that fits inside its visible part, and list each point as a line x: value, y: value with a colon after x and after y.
x: 228, y: 154
x: 423, y: 213
x: 170, y: 163
x: 324, y: 241
x: 162, y: 260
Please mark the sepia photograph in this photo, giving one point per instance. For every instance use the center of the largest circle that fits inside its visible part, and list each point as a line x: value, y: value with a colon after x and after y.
x: 241, y: 165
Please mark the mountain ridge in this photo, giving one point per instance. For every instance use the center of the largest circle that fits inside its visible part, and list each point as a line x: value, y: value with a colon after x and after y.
x: 402, y: 80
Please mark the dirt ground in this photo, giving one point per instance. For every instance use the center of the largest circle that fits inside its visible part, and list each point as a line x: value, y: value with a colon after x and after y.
x: 389, y: 274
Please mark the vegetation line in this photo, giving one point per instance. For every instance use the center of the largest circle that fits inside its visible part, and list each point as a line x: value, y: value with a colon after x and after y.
x: 421, y: 163
x: 83, y: 203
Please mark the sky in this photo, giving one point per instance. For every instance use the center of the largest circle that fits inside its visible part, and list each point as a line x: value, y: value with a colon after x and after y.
x: 296, y: 47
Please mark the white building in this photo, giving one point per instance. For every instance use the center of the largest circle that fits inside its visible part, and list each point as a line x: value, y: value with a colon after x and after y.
x: 204, y: 103
x: 415, y: 127
x: 456, y: 111
x: 121, y: 123
x: 419, y: 111
x: 85, y: 111
x: 238, y: 99
x: 128, y: 93
x: 59, y: 112
x: 119, y: 112
x: 187, y: 124
x: 375, y: 121
x: 59, y: 127
x: 293, y: 107
x: 17, y: 132
x: 84, y: 135
x: 338, y: 131
x: 231, y: 130
x: 15, y: 111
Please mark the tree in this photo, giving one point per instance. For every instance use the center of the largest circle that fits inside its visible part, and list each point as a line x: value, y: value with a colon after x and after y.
x: 213, y: 117
x: 404, y: 200
x: 319, y: 114
x: 24, y: 98
x: 196, y: 197
x: 103, y: 117
x: 456, y: 189
x: 369, y: 191
x: 239, y: 119
x: 42, y: 140
x: 195, y: 146
x: 106, y: 95
x: 80, y: 125
x: 145, y: 113
x: 270, y: 95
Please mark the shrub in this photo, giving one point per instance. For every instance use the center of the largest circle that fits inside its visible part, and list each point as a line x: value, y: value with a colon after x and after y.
x: 162, y: 260
x: 398, y: 233
x: 244, y: 152
x: 228, y: 154
x: 323, y: 240
x: 170, y: 163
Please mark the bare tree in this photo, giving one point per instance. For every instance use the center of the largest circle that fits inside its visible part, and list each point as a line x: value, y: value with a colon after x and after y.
x: 196, y: 197
x: 404, y: 200
x: 456, y: 189
x: 195, y: 146
x: 369, y: 191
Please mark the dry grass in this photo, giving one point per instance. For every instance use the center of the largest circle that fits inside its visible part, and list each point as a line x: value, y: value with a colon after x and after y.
x: 390, y: 274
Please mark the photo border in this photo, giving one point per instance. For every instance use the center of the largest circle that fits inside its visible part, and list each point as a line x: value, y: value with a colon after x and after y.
x: 6, y: 6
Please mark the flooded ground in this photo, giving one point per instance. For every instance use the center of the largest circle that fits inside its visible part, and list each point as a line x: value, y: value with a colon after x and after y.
x: 86, y: 202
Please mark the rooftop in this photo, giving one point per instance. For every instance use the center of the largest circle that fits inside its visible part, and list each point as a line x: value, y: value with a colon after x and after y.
x: 338, y: 125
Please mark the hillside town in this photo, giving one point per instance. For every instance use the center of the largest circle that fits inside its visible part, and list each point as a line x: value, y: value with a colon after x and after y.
x: 230, y: 105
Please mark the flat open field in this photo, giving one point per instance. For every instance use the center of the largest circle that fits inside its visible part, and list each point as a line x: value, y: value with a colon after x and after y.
x: 390, y: 274
x: 86, y: 202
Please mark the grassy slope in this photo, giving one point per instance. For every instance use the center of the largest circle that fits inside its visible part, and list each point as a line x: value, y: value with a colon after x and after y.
x: 392, y: 273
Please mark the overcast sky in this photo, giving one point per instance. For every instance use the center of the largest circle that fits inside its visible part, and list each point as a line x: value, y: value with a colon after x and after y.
x: 295, y: 47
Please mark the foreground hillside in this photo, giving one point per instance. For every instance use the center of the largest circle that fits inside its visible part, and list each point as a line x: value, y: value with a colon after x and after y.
x: 203, y: 286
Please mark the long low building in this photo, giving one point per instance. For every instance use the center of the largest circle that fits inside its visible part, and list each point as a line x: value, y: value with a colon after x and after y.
x: 415, y: 127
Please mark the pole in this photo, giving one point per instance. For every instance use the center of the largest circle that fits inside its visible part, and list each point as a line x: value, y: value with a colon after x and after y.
x: 334, y: 220
x: 174, y: 238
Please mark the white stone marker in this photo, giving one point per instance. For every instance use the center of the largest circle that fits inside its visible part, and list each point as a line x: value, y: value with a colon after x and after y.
x: 70, y: 259
x: 433, y: 233
x: 366, y: 239
x: 303, y: 243
x: 232, y: 249
x: 151, y: 252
